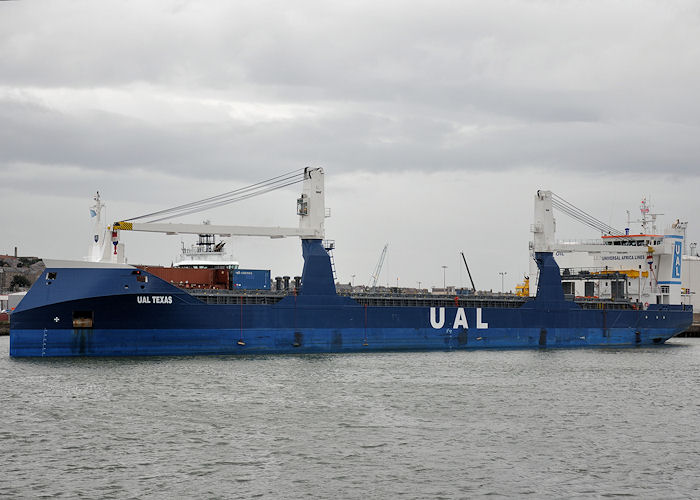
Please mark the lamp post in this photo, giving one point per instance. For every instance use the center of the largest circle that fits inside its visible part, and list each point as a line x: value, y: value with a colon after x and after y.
x: 502, y: 273
x: 353, y: 280
x: 419, y: 286
x: 444, y: 287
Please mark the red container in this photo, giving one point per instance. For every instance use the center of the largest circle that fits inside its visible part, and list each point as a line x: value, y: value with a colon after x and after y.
x: 190, y: 278
x: 221, y: 277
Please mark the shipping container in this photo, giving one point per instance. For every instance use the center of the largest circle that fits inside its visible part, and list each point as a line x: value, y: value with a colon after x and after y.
x: 251, y: 279
x: 191, y: 278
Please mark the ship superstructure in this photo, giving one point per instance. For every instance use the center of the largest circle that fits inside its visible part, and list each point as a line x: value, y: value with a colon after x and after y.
x: 206, y: 253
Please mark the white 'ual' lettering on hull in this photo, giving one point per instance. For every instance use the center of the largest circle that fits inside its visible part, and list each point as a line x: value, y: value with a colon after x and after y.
x: 459, y: 321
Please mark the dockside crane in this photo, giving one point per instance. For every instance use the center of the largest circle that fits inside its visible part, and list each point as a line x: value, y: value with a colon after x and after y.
x: 378, y: 269
x: 468, y: 272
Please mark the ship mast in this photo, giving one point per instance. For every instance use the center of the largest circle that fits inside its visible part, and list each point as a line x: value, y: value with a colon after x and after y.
x: 645, y: 219
x: 97, y: 245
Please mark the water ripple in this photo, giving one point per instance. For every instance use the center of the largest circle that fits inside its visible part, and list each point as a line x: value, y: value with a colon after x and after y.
x: 542, y: 424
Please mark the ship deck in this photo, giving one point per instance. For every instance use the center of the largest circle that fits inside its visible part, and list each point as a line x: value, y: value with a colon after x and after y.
x: 399, y: 299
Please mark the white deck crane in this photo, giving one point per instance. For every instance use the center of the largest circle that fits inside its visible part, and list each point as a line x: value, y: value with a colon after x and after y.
x: 378, y: 269
x: 310, y: 209
x: 650, y: 262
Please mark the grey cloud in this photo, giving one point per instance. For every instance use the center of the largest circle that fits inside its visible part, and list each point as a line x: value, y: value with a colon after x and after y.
x: 347, y: 141
x: 420, y: 86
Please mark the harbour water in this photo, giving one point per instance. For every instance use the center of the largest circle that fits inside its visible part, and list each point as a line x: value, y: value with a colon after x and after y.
x: 582, y: 423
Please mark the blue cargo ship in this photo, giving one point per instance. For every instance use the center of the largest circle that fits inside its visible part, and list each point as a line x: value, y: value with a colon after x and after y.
x: 114, y: 309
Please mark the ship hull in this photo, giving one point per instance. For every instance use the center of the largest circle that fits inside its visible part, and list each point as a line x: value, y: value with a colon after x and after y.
x: 126, y: 312
x: 130, y: 342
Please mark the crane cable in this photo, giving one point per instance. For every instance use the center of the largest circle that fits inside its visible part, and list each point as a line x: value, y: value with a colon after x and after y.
x: 244, y: 193
x: 564, y: 206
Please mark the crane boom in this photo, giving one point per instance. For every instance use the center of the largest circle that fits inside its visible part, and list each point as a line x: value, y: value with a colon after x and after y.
x: 378, y: 269
x: 468, y: 272
x: 169, y: 228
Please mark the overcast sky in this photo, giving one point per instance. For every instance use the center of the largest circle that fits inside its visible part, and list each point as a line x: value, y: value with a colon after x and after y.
x: 435, y: 122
